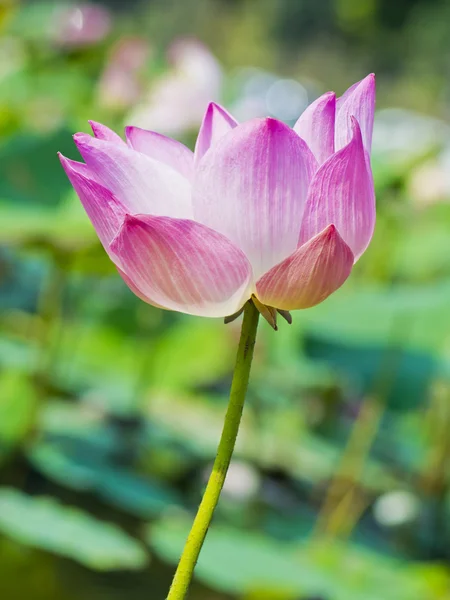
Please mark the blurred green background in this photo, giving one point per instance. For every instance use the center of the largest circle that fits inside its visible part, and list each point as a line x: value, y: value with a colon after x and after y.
x: 110, y: 410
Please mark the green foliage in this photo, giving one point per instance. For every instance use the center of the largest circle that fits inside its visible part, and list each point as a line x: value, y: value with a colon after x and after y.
x: 136, y: 495
x: 405, y: 316
x: 27, y: 164
x: 46, y: 524
x: 237, y: 561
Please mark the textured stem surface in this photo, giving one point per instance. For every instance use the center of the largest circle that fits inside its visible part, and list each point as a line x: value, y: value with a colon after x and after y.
x: 194, y: 543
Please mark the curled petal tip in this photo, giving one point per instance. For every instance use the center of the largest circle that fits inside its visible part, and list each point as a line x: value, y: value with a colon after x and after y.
x: 330, y: 234
x: 102, y: 132
x: 358, y: 100
x: 330, y: 231
x: 82, y: 138
x: 96, y: 128
x: 356, y: 129
x: 216, y: 123
x: 212, y: 106
x: 316, y: 126
x: 271, y: 124
x: 368, y: 80
x: 66, y: 163
x: 131, y: 220
x: 328, y: 96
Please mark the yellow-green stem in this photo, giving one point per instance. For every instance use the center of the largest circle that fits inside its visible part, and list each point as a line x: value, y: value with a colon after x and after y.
x: 194, y: 543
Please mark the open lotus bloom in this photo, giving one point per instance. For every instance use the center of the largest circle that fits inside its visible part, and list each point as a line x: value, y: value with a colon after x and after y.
x: 258, y: 210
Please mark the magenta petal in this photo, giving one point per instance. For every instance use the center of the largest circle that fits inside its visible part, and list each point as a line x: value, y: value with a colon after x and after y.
x: 143, y: 184
x: 162, y: 148
x: 216, y: 123
x: 103, y: 209
x: 316, y: 126
x: 359, y: 102
x: 342, y: 193
x: 182, y: 265
x: 252, y: 187
x: 137, y: 292
x: 105, y: 133
x: 309, y: 275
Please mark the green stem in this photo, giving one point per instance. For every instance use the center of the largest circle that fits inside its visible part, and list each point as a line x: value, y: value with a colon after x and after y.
x: 194, y: 543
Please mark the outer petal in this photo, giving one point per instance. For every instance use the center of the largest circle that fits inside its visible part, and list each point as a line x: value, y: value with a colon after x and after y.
x: 358, y: 101
x: 316, y: 126
x: 105, y: 133
x: 342, y: 193
x: 137, y: 292
x: 182, y: 265
x: 216, y: 123
x: 104, y: 210
x: 162, y: 148
x: 252, y: 187
x: 143, y: 185
x: 309, y: 275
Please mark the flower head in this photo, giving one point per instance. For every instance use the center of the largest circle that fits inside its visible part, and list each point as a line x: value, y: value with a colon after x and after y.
x: 258, y: 209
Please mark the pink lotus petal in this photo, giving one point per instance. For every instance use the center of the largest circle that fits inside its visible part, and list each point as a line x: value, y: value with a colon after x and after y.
x: 316, y: 126
x: 78, y: 167
x: 163, y: 149
x: 309, y: 275
x: 143, y: 184
x: 182, y: 265
x: 105, y: 133
x: 103, y: 209
x: 359, y: 102
x: 345, y: 96
x: 216, y: 123
x: 137, y: 292
x: 252, y: 187
x: 342, y: 193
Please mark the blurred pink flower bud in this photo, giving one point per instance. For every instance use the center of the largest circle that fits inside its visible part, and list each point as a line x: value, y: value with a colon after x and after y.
x: 177, y: 100
x: 120, y: 84
x: 81, y: 25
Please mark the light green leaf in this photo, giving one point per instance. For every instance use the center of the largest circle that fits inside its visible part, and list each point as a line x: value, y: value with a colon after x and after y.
x: 46, y: 524
x: 239, y: 562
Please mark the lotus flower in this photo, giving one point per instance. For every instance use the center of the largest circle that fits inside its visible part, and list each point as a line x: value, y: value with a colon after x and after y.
x: 259, y: 210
